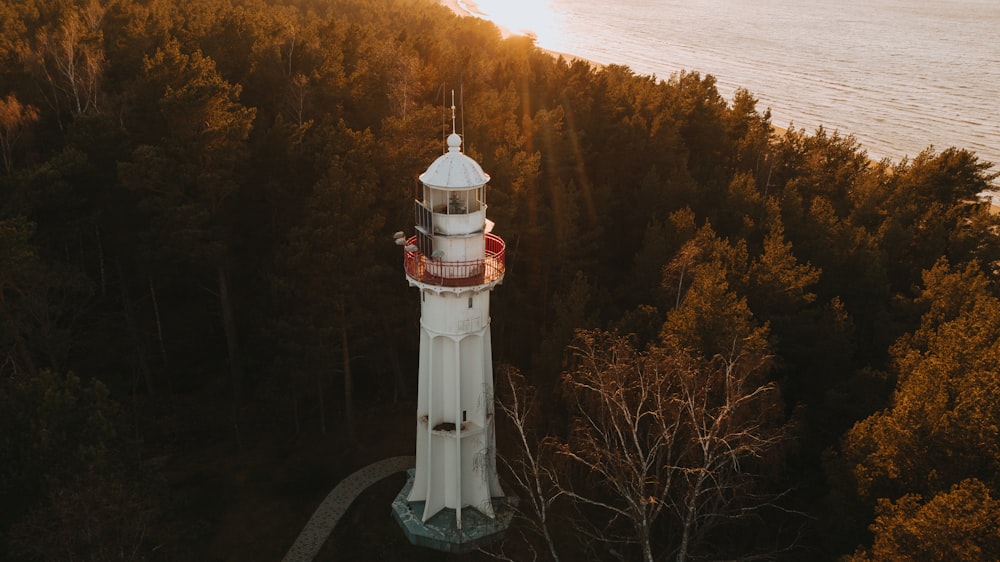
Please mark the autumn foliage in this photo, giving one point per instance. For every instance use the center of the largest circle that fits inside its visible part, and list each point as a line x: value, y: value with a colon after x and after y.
x: 797, y: 345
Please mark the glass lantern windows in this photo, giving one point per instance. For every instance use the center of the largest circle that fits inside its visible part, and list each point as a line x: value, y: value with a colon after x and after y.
x: 454, y: 202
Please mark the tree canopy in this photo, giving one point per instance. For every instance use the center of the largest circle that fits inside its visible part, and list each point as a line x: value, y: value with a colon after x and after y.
x: 197, y: 203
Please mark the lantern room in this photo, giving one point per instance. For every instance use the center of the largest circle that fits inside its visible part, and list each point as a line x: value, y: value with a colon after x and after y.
x: 452, y: 240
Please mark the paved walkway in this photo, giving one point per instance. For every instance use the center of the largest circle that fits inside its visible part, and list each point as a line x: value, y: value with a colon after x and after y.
x: 318, y: 529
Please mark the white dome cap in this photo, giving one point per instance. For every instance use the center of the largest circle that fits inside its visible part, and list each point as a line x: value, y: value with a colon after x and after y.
x: 454, y: 170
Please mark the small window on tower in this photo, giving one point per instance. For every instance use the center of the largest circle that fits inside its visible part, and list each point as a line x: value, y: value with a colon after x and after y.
x: 470, y: 302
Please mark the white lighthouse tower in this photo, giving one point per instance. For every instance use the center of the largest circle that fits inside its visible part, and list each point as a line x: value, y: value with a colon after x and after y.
x: 452, y: 499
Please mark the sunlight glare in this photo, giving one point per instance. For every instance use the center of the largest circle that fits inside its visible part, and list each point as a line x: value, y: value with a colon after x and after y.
x: 522, y: 17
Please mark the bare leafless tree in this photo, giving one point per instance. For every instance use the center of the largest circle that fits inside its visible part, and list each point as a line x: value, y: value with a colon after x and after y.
x: 625, y: 412
x: 665, y: 441
x: 529, y: 466
x: 733, y: 422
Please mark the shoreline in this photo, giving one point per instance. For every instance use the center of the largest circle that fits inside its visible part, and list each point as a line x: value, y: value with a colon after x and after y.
x: 470, y: 9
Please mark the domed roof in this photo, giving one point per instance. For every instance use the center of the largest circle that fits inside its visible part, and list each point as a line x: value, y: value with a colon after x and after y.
x: 454, y: 170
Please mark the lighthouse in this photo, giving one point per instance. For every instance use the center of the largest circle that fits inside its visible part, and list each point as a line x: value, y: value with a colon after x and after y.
x: 452, y: 500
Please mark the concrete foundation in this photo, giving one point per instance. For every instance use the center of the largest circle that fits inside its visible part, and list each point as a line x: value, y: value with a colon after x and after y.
x: 440, y: 533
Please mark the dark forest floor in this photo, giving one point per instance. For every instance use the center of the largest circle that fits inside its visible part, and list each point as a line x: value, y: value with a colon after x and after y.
x: 251, y: 503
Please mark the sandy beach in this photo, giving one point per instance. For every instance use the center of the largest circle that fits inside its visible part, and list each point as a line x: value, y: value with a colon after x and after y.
x: 471, y: 9
x: 468, y: 8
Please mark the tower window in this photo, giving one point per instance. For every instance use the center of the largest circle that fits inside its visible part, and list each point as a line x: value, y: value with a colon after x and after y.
x: 470, y: 302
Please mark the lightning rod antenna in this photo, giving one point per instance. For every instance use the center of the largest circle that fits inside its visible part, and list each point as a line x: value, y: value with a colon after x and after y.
x: 453, y: 112
x: 444, y: 101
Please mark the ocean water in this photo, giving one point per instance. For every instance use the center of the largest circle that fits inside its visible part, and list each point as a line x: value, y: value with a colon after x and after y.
x: 900, y: 75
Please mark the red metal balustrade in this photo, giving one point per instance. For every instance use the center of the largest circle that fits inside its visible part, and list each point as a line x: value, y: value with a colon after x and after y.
x: 455, y: 273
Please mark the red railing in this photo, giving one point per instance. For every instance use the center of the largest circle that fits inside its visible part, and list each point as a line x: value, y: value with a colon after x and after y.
x: 455, y: 273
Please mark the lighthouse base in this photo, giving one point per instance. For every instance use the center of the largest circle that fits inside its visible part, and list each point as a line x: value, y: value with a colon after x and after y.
x: 440, y: 533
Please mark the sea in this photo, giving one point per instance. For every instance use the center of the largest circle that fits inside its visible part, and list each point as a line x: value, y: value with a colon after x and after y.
x: 900, y: 75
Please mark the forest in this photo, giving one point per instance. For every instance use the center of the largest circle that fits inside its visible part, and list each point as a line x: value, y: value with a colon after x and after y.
x: 714, y: 341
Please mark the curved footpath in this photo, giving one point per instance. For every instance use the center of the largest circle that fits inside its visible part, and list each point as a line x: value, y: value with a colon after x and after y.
x: 322, y: 522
